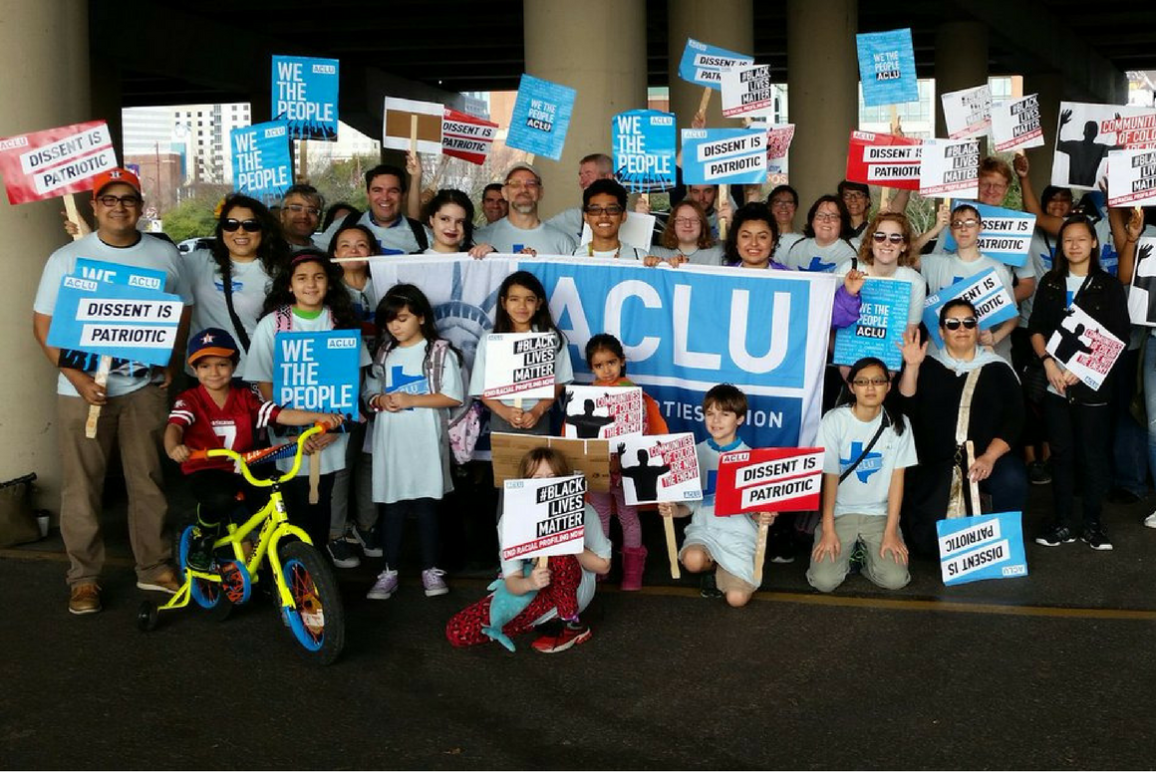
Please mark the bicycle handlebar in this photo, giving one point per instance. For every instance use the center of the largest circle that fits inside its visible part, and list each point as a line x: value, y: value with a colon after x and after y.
x: 266, y: 454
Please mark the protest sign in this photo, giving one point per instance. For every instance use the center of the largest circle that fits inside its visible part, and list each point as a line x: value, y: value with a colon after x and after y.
x: 704, y: 64
x: 1006, y: 235
x: 317, y: 370
x: 542, y: 517
x: 972, y: 549
x: 949, y: 168
x: 124, y: 275
x: 1132, y: 178
x: 598, y: 412
x: 683, y: 331
x: 467, y: 137
x: 54, y: 162
x: 724, y: 156
x: 541, y: 117
x: 591, y: 458
x: 305, y: 96
x: 1085, y: 347
x: 887, y: 67
x: 659, y: 467
x: 992, y: 301
x: 405, y: 119
x: 645, y: 146
x: 779, y: 138
x: 883, y: 310
x: 520, y: 364
x: 768, y: 480
x: 262, y: 164
x: 1088, y: 131
x: 967, y: 113
x: 1142, y: 296
x: 637, y: 231
x: 746, y: 91
x: 884, y: 159
x: 115, y: 320
x: 1016, y: 124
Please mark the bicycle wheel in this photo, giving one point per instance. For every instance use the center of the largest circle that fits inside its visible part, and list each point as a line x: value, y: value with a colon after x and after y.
x: 318, y: 618
x: 206, y: 594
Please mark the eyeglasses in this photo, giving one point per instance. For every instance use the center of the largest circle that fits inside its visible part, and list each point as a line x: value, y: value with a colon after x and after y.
x: 299, y: 208
x: 968, y: 223
x: 821, y: 217
x: 528, y: 185
x: 686, y: 221
x: 111, y: 201
x: 968, y: 323
x: 854, y: 195
x: 869, y: 382
x: 249, y: 226
x: 783, y: 204
x: 879, y: 237
x: 993, y: 186
x: 613, y: 210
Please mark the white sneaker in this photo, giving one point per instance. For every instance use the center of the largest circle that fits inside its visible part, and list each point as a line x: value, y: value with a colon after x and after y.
x: 432, y: 580
x: 1150, y: 521
x: 384, y: 587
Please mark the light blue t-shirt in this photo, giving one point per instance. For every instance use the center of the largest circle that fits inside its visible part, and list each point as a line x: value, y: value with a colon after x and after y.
x: 149, y: 252
x: 844, y: 437
x: 397, y: 239
x: 730, y: 540
x: 806, y: 255
x: 507, y: 239
x: 563, y: 374
x: 250, y: 286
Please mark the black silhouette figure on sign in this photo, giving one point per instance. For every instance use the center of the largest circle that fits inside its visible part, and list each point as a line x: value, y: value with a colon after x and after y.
x: 1084, y: 156
x: 644, y: 476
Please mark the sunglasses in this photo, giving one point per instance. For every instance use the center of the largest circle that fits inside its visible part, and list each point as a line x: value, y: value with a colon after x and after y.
x: 968, y: 323
x: 879, y: 237
x: 249, y: 226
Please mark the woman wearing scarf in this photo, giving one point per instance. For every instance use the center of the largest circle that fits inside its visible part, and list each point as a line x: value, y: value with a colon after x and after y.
x: 933, y: 393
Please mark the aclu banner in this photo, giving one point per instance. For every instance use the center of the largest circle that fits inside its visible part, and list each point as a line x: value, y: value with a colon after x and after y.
x: 724, y: 156
x: 1006, y: 235
x: 115, y: 320
x: 704, y: 64
x: 884, y: 305
x: 683, y: 331
x: 645, y: 147
x: 262, y: 164
x: 887, y: 67
x: 305, y: 96
x: 541, y: 117
x: 317, y: 370
x: 982, y: 547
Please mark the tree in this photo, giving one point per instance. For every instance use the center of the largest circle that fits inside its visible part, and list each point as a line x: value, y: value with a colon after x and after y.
x: 193, y: 217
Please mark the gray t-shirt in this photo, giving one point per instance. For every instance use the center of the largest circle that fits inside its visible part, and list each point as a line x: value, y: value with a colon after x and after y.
x: 807, y: 255
x: 250, y: 286
x: 703, y: 256
x: 503, y: 236
x: 397, y: 239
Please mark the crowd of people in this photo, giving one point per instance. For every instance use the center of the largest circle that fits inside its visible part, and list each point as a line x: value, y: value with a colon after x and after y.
x: 266, y: 272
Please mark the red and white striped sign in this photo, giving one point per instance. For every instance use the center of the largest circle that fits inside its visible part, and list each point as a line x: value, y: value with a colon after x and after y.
x: 467, y: 137
x: 50, y: 163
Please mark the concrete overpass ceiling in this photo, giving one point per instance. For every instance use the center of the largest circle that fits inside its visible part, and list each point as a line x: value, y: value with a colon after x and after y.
x: 464, y: 45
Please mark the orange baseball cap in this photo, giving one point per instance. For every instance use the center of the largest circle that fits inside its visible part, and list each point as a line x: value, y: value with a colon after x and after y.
x: 112, y: 176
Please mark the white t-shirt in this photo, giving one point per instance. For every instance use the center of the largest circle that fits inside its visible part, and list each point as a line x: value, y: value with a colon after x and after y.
x: 506, y: 238
x: 786, y: 241
x: 844, y: 438
x: 807, y: 255
x: 397, y: 239
x: 624, y: 252
x: 250, y: 287
x: 902, y: 273
x: 149, y: 252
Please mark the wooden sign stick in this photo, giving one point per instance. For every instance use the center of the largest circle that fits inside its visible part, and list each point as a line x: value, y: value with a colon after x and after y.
x: 413, y: 133
x: 671, y: 547
x: 724, y: 192
x: 73, y: 213
x: 704, y: 102
x: 760, y: 553
x: 314, y: 478
x: 105, y: 363
x: 530, y: 158
x: 972, y: 485
x: 543, y: 561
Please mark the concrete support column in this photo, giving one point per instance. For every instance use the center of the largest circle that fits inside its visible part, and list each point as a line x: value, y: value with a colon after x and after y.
x: 44, y: 54
x: 1050, y: 87
x: 822, y: 93
x: 960, y: 62
x: 727, y: 24
x: 107, y: 101
x: 597, y: 47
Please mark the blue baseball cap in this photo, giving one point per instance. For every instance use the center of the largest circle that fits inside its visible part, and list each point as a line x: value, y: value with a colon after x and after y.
x: 212, y: 341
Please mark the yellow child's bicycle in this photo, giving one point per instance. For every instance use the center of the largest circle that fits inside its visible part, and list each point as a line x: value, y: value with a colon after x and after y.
x: 306, y: 589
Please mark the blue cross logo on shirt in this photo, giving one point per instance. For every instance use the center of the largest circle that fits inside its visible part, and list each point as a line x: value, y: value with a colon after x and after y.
x: 819, y: 266
x: 399, y: 381
x: 870, y: 464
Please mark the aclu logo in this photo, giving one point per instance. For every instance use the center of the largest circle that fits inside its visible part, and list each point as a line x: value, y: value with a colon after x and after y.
x: 1019, y: 570
x: 342, y: 343
x: 324, y: 69
x: 693, y: 495
x: 75, y: 282
x: 148, y: 282
x: 276, y: 131
x: 662, y: 120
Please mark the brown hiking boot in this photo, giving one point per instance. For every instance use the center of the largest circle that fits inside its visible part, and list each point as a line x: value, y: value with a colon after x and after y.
x: 85, y: 598
x: 165, y: 581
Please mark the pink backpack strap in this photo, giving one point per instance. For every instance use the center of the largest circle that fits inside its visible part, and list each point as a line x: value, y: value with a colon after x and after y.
x: 284, y: 319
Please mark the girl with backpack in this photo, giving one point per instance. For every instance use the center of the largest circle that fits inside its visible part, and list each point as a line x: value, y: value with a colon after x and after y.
x: 415, y: 379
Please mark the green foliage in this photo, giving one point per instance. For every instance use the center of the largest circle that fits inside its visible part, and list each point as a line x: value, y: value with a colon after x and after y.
x: 344, y: 180
x: 193, y: 217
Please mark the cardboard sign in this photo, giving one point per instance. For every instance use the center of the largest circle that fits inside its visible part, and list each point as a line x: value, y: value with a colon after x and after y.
x: 1142, y: 296
x: 637, y: 231
x: 986, y: 292
x: 544, y: 516
x: 520, y: 364
x: 972, y: 549
x: 967, y: 113
x: 1016, y: 124
x: 887, y: 67
x: 1132, y: 178
x: 884, y: 306
x: 317, y: 370
x: 779, y: 136
x: 397, y: 125
x: 591, y: 458
x: 768, y: 480
x: 541, y: 117
x: 600, y: 412
x: 724, y: 156
x: 1006, y: 234
x: 949, y: 168
x: 467, y: 137
x: 645, y: 146
x: 884, y: 159
x: 704, y: 64
x: 1086, y: 347
x: 1088, y: 131
x: 746, y: 91
x: 262, y: 163
x: 659, y: 467
x: 305, y: 96
x: 116, y: 320
x: 50, y: 163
